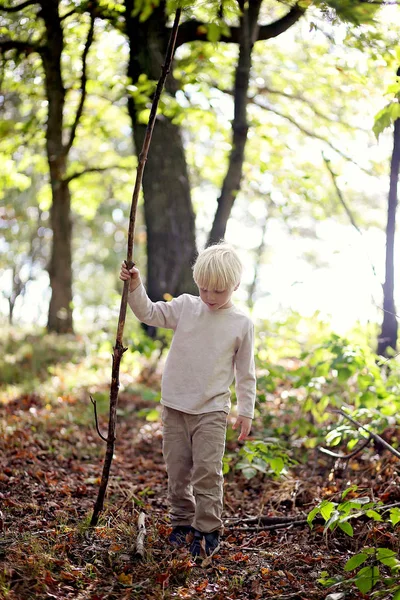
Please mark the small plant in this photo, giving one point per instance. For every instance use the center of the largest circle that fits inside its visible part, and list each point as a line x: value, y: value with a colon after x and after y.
x: 338, y: 515
x: 366, y: 578
x: 267, y: 457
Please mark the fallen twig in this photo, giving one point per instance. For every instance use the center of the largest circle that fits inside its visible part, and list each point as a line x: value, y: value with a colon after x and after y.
x: 267, y: 520
x: 374, y: 436
x: 141, y: 535
x: 276, y: 526
x: 346, y: 456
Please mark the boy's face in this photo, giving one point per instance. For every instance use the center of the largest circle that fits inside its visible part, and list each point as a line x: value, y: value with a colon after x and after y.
x: 217, y: 299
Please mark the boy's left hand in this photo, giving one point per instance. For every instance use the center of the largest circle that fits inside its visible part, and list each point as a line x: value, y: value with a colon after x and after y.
x: 245, y: 427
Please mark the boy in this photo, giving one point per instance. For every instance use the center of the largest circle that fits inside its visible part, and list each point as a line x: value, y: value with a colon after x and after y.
x: 212, y: 344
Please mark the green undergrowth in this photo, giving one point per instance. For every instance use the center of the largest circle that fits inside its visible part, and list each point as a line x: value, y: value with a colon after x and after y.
x: 305, y: 372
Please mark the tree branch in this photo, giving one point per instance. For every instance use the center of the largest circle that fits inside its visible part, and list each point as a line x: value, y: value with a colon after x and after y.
x: 79, y: 111
x: 380, y: 2
x: 301, y: 98
x: 264, y: 519
x: 306, y: 131
x: 270, y: 527
x: 67, y: 180
x: 96, y: 419
x: 118, y: 349
x: 68, y: 14
x: 377, y: 438
x: 347, y: 209
x: 346, y: 456
x: 341, y: 198
x: 11, y: 9
x: 192, y: 31
x: 18, y: 45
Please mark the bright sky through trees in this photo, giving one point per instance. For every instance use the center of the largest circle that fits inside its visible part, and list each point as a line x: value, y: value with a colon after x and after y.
x: 328, y: 270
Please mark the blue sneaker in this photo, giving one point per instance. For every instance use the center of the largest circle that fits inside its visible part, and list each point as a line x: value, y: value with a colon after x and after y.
x: 212, y: 542
x: 196, y: 548
x: 204, y: 544
x: 178, y: 535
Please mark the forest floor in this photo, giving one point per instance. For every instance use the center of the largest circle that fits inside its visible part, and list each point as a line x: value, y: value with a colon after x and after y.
x: 50, y: 466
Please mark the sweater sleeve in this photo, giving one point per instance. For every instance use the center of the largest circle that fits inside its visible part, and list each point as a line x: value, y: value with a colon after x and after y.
x: 158, y: 314
x: 245, y: 378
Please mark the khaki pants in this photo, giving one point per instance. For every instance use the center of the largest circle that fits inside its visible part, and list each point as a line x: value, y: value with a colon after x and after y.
x: 193, y: 448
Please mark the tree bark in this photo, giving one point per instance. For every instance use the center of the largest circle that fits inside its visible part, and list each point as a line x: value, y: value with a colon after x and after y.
x: 168, y: 213
x: 169, y: 216
x: 60, y: 267
x: 231, y: 185
x: 388, y: 336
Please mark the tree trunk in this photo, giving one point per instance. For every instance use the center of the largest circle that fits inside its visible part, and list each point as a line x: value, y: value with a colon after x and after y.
x: 257, y: 264
x: 60, y: 268
x: 231, y: 185
x: 388, y: 336
x: 168, y: 213
x: 169, y: 216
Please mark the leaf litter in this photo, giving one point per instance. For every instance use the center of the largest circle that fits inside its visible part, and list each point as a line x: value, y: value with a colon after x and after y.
x: 50, y: 465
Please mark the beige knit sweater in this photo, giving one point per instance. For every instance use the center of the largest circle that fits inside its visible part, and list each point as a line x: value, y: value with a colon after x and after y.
x: 209, y: 349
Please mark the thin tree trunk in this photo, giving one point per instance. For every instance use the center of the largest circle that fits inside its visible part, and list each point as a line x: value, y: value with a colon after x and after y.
x: 257, y: 265
x: 231, y: 185
x: 388, y: 336
x: 119, y: 348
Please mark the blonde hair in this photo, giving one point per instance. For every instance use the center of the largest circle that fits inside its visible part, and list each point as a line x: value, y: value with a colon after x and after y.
x: 218, y: 268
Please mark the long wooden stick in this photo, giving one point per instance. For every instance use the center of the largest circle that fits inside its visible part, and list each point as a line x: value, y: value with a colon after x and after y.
x: 119, y: 349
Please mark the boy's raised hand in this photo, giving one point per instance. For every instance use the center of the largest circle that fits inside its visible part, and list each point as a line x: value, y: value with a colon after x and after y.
x: 132, y: 274
x: 245, y: 426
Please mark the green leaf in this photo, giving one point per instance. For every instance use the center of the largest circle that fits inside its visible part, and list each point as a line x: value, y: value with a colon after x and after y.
x: 384, y: 553
x: 346, y: 527
x: 388, y: 558
x: 355, y: 561
x: 397, y: 595
x: 213, y: 32
x: 332, y: 521
x: 277, y: 465
x: 367, y: 578
x: 352, y: 488
x: 374, y: 515
x: 394, y: 516
x: 326, y: 509
x: 382, y: 121
x: 394, y: 111
x: 311, y: 515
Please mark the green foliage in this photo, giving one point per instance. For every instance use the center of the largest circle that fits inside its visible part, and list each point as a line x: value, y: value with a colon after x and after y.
x: 337, y: 515
x: 268, y: 457
x: 368, y: 576
x: 391, y: 111
x: 350, y: 11
x: 333, y: 373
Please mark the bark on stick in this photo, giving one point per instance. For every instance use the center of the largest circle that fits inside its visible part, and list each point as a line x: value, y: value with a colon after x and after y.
x: 141, y: 535
x: 119, y: 348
